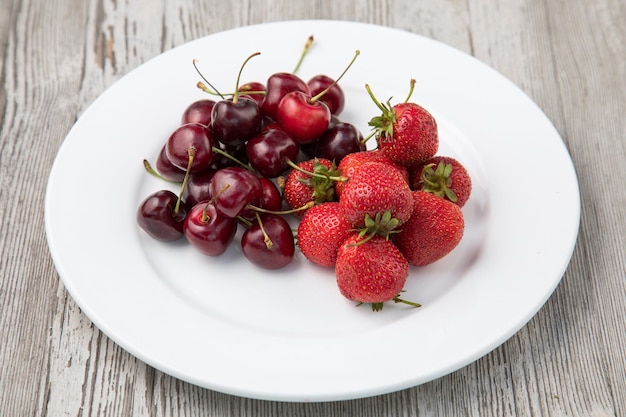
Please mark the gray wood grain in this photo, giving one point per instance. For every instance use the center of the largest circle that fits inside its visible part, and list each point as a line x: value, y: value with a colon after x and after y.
x: 568, y: 55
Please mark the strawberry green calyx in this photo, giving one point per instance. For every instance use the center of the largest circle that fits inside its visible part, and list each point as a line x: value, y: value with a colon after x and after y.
x: 396, y: 299
x: 437, y: 180
x: 382, y: 125
x: 322, y: 180
x: 382, y: 224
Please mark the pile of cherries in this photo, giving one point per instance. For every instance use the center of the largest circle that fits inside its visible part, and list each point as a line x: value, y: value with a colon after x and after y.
x: 229, y: 153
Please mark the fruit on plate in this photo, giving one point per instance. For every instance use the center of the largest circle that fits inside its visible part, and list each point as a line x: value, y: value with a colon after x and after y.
x: 443, y: 176
x: 371, y: 271
x: 321, y: 231
x: 433, y: 231
x: 373, y: 190
x: 246, y: 161
x: 406, y: 132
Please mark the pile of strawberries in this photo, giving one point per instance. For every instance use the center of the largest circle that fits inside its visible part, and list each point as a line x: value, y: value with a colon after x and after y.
x: 382, y: 210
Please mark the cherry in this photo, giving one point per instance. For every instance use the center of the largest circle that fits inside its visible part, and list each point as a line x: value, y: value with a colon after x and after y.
x: 304, y: 117
x: 235, y: 153
x: 255, y: 90
x: 166, y: 169
x: 339, y: 140
x: 278, y: 85
x: 208, y: 229
x: 235, y: 120
x: 162, y: 215
x: 271, y: 198
x: 269, y: 242
x: 198, y: 112
x: 237, y: 188
x: 186, y: 137
x: 268, y: 151
x: 334, y: 97
x: 198, y: 187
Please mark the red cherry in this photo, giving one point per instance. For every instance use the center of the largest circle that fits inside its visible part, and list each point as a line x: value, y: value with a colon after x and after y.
x: 233, y: 189
x: 198, y: 112
x: 190, y: 136
x: 302, y: 118
x: 158, y: 216
x: 166, y: 169
x: 269, y: 243
x: 208, y: 229
x: 279, y: 84
x: 269, y: 151
x: 254, y: 90
x: 334, y: 97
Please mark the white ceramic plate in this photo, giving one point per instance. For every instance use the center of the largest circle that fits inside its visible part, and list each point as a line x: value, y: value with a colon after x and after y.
x: 289, y: 335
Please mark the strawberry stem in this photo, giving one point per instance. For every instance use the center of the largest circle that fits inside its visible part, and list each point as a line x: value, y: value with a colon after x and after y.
x: 411, y: 88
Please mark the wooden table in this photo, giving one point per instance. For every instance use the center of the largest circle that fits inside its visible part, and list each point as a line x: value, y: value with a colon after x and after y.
x: 57, y: 56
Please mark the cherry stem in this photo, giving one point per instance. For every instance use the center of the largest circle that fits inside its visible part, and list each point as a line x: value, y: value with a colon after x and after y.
x: 266, y: 238
x: 307, y: 46
x: 315, y: 174
x: 192, y: 153
x: 236, y: 94
x: 200, y: 85
x: 205, y: 217
x: 281, y: 212
x: 152, y: 171
x: 232, y: 158
x: 321, y: 93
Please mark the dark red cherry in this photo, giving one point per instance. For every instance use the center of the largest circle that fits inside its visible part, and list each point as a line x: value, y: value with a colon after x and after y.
x: 271, y: 198
x: 233, y: 189
x: 158, y: 217
x: 198, y: 187
x: 198, y: 112
x: 208, y: 229
x: 268, y: 152
x: 254, y: 90
x: 340, y: 139
x: 166, y: 169
x: 190, y: 136
x: 271, y: 246
x: 279, y: 84
x: 334, y: 98
x: 234, y: 122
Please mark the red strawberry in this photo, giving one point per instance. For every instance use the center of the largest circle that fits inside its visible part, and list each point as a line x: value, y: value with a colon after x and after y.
x: 321, y: 231
x: 371, y: 271
x: 353, y: 161
x: 310, y: 181
x: 376, y: 194
x: 433, y: 231
x: 443, y: 176
x: 406, y: 132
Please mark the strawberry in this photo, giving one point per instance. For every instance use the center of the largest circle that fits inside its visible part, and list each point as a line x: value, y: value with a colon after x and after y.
x: 352, y: 161
x: 312, y: 180
x: 376, y: 198
x: 406, y: 132
x: 371, y: 271
x: 433, y: 231
x: 443, y: 176
x: 321, y: 231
